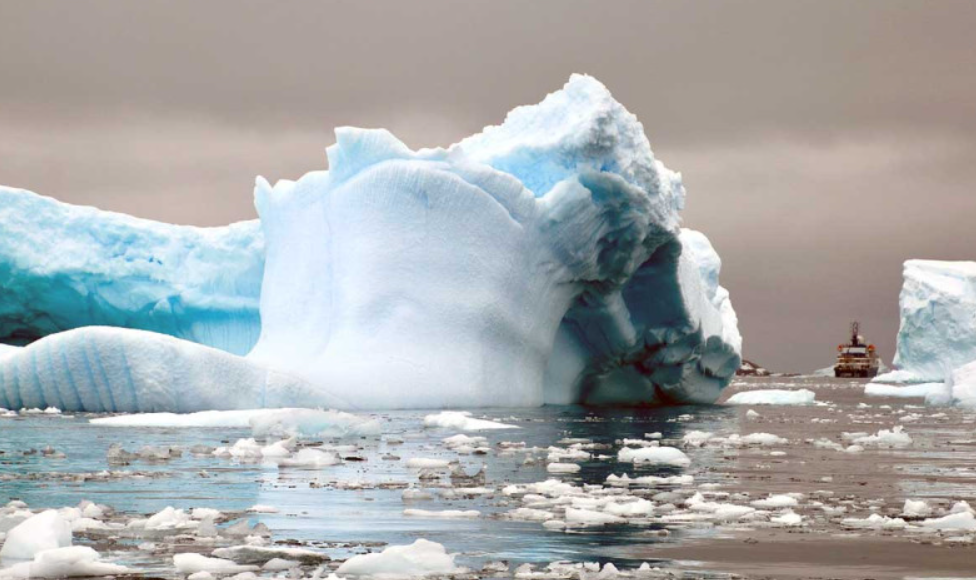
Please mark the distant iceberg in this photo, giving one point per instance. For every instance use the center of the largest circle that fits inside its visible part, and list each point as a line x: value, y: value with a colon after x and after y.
x: 539, y: 261
x: 938, y: 320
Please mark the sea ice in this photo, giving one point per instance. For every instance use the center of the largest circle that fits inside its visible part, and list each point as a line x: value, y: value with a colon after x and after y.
x: 462, y: 421
x: 773, y: 397
x: 654, y: 456
x: 44, y: 531
x: 189, y: 563
x: 65, y: 562
x: 420, y: 558
x: 922, y: 390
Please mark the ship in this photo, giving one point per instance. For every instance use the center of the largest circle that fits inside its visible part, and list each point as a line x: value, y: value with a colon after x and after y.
x: 857, y: 359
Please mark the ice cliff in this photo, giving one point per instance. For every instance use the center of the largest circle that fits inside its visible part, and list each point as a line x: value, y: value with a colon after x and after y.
x: 938, y: 319
x: 539, y: 261
x: 64, y: 266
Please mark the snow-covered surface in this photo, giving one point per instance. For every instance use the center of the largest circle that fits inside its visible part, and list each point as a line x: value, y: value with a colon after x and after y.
x: 773, y: 397
x: 417, y: 559
x: 938, y: 318
x: 539, y: 261
x: 65, y: 266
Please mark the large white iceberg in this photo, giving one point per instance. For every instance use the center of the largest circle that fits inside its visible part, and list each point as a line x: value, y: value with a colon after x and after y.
x: 65, y: 266
x: 539, y: 261
x: 938, y: 319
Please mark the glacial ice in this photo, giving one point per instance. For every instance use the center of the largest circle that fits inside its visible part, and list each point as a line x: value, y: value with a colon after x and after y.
x: 540, y: 261
x: 101, y: 369
x: 938, y: 319
x: 65, y: 266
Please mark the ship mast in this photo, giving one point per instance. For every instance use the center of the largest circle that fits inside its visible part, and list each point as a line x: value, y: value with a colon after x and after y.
x: 855, y: 330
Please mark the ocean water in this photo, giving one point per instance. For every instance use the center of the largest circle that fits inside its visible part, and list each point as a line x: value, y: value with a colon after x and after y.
x: 313, y: 506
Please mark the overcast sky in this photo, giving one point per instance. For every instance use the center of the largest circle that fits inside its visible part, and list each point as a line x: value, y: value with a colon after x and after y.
x: 822, y: 143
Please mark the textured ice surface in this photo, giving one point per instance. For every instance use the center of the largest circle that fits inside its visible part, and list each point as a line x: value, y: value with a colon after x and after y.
x: 124, y: 370
x: 539, y: 261
x: 44, y: 531
x: 64, y: 266
x: 938, y: 318
x: 441, y: 277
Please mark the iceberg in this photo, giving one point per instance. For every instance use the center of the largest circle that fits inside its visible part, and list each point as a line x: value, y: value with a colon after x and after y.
x: 540, y: 261
x: 938, y: 320
x: 65, y: 266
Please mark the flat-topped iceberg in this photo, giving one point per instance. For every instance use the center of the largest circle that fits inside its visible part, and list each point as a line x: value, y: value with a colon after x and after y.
x: 64, y: 266
x: 539, y: 261
x: 938, y: 320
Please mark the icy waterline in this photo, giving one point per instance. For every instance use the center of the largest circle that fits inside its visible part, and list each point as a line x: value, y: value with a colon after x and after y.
x: 540, y: 261
x: 490, y: 496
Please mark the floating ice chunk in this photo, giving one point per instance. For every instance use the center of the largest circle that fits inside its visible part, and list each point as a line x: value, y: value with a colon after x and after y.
x: 649, y: 480
x: 890, y: 438
x: 922, y: 390
x: 313, y: 423
x: 773, y: 397
x: 639, y: 508
x: 562, y: 468
x: 190, y: 563
x: 263, y: 422
x: 310, y: 457
x: 65, y: 562
x: 776, y: 502
x: 587, y: 517
x: 262, y: 509
x: 696, y: 438
x: 962, y: 507
x: 462, y: 421
x: 654, y: 456
x: 788, y: 518
x: 875, y: 521
x: 417, y: 559
x: 170, y: 518
x: 442, y: 514
x: 44, y: 531
x: 955, y: 521
x: 916, y: 509
x: 427, y: 463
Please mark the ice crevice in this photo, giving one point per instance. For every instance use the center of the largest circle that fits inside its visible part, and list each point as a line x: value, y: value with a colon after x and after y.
x: 540, y: 261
